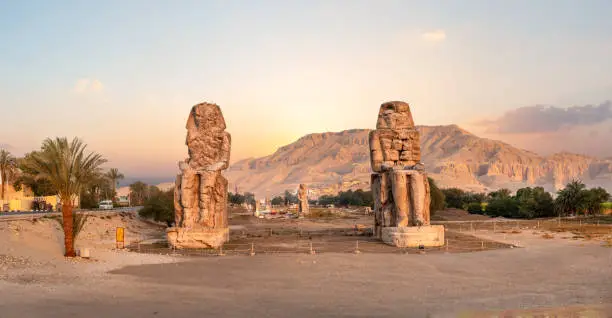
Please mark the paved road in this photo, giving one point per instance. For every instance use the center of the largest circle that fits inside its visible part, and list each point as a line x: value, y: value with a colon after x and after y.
x: 36, y: 214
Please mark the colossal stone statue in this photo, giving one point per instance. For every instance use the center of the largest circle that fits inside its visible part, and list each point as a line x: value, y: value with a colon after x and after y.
x: 303, y: 198
x: 399, y: 184
x: 200, y: 195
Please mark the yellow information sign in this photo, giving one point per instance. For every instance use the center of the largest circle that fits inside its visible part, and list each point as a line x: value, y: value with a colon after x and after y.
x: 120, y: 238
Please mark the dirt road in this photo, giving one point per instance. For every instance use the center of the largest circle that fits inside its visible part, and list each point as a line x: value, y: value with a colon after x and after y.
x: 333, y: 285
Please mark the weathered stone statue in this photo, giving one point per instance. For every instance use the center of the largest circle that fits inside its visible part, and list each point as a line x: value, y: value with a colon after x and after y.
x: 399, y: 184
x: 200, y: 195
x: 303, y: 198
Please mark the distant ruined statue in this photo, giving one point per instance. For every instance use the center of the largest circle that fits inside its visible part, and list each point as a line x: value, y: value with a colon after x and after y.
x: 302, y: 196
x: 399, y: 184
x: 200, y: 195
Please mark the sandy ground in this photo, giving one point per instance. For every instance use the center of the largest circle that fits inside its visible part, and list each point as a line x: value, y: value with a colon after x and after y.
x: 552, y: 275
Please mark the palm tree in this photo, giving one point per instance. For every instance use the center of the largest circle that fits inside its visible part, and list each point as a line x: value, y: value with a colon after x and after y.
x: 569, y: 199
x: 68, y: 168
x: 8, y: 165
x: 138, y: 191
x: 114, y: 176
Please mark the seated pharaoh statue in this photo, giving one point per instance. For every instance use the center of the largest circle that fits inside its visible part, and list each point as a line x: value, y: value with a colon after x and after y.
x: 399, y: 183
x: 200, y: 196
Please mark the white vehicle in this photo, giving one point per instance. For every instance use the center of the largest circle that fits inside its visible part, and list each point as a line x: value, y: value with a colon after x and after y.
x: 106, y: 205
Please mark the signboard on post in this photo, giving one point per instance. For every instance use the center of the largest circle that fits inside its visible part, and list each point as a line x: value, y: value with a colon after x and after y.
x: 120, y: 238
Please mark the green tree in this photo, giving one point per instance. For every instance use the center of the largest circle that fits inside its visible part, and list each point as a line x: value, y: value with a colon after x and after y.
x: 159, y: 206
x: 113, y: 175
x: 138, y: 192
x: 503, y: 206
x: 8, y: 167
x: 472, y: 197
x: 29, y: 178
x: 327, y: 200
x: 570, y: 199
x: 249, y: 198
x: 236, y: 198
x: 438, y: 201
x: 454, y: 197
x: 277, y: 200
x: 474, y: 208
x: 68, y: 167
x: 593, y: 200
x: 290, y: 198
x: 499, y: 194
x: 534, y: 203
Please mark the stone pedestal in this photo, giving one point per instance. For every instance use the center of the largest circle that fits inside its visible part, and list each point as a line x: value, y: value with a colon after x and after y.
x: 197, y: 238
x: 414, y: 236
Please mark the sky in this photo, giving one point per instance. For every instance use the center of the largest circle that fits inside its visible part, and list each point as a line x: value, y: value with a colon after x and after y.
x: 123, y: 75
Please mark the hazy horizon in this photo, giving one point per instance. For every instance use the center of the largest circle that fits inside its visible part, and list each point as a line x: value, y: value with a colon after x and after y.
x: 123, y: 75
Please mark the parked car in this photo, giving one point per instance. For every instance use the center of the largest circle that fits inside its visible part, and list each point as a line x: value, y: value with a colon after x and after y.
x: 106, y: 205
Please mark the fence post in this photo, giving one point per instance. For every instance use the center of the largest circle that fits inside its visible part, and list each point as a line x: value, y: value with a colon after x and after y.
x: 446, y: 245
x: 311, y: 250
x: 252, y: 249
x: 357, y: 251
x: 472, y: 227
x: 538, y: 225
x: 482, y: 245
x: 221, y: 251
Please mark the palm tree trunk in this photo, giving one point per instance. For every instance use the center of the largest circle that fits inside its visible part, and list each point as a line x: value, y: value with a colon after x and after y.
x: 2, y: 176
x: 68, y: 229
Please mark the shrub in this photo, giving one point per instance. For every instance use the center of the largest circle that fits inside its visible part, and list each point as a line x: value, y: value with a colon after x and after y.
x: 474, y: 208
x: 278, y: 200
x: 534, y: 203
x: 505, y: 207
x: 438, y: 201
x: 159, y: 207
x: 454, y: 197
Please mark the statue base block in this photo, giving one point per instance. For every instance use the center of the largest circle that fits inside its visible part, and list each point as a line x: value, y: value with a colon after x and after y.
x: 197, y: 238
x: 414, y: 236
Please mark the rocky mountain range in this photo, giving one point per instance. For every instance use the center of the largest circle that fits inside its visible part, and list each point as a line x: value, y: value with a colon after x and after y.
x: 339, y: 161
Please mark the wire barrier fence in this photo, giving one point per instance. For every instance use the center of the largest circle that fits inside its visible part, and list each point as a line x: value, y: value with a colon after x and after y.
x: 593, y: 225
x: 461, y: 236
x: 357, y: 246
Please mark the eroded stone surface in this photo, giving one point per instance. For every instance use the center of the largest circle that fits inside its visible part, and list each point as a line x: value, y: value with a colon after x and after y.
x: 200, y: 196
x: 197, y: 238
x: 395, y: 142
x: 414, y: 236
x: 399, y: 185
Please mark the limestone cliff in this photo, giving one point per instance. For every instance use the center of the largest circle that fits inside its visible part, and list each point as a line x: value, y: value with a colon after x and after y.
x: 329, y: 162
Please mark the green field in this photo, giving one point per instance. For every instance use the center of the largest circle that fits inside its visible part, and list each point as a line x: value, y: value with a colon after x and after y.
x: 606, y: 205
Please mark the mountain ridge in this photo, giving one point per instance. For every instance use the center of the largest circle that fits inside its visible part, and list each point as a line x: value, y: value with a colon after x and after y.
x: 337, y: 161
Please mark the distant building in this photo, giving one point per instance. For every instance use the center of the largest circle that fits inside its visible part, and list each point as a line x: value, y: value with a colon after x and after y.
x: 123, y: 200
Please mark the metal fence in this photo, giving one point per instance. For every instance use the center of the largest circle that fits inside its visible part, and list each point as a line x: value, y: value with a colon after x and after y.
x: 321, y: 247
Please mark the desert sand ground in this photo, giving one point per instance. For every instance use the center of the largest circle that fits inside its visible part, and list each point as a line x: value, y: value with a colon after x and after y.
x: 570, y: 277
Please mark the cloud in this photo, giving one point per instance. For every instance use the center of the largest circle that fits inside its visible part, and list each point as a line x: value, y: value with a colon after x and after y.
x: 88, y: 85
x: 540, y: 118
x: 434, y: 36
